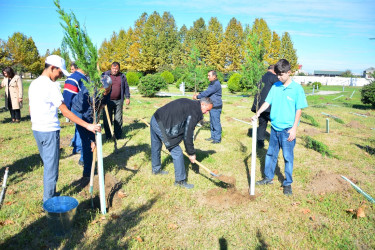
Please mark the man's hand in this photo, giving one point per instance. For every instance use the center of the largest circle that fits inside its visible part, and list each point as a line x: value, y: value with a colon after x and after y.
x: 127, y: 101
x: 195, y: 97
x: 192, y: 158
x: 93, y: 127
x: 255, y: 117
x: 292, y: 134
x: 93, y: 146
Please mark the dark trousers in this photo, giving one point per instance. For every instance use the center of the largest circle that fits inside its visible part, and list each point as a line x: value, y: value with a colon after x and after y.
x: 264, y: 118
x: 114, y: 109
x: 15, y: 114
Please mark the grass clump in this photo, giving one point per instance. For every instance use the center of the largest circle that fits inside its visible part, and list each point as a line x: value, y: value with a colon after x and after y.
x: 311, y: 119
x: 318, y: 146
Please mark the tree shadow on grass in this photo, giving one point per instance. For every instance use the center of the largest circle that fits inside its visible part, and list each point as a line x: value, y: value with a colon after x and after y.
x: 367, y: 149
x: 22, y: 166
x: 23, y: 119
x: 38, y: 235
x: 119, y: 226
x: 360, y: 106
x: 262, y: 241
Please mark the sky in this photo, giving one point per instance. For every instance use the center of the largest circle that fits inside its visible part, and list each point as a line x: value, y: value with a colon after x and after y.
x: 327, y: 34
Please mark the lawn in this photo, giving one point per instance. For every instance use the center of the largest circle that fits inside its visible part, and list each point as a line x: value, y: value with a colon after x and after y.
x: 148, y: 211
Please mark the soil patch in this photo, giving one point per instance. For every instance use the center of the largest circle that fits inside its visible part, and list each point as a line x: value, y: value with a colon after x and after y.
x: 327, y: 183
x: 231, y: 181
x: 65, y: 141
x: 112, y: 187
x: 311, y: 131
x: 226, y: 198
x: 355, y: 124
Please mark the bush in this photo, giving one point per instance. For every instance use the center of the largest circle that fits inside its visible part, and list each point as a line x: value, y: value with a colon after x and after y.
x: 234, y: 83
x: 196, y: 78
x: 150, y: 84
x: 311, y: 119
x: 133, y: 78
x: 318, y: 146
x: 177, y: 73
x: 168, y: 77
x: 316, y: 84
x: 368, y: 94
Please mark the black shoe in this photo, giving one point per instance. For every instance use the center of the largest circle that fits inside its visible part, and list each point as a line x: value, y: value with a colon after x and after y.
x: 183, y: 184
x: 260, y: 144
x: 209, y: 139
x: 80, y: 163
x: 160, y: 172
x: 288, y: 190
x: 215, y: 142
x: 265, y: 181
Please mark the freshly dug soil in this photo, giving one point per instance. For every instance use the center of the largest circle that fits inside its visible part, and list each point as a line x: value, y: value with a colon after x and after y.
x: 231, y: 181
x: 326, y: 183
x: 311, y: 131
x: 355, y: 124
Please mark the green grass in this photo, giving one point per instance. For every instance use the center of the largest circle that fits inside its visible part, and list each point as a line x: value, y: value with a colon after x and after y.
x: 155, y: 214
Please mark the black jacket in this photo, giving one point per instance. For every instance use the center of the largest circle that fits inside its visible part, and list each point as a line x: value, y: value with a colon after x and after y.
x: 177, y: 121
x: 268, y: 79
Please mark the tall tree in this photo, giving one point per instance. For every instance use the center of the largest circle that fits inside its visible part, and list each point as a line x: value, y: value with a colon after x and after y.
x: 180, y: 52
x: 288, y: 52
x: 232, y: 46
x: 274, y: 54
x: 23, y: 53
x: 214, y: 39
x: 253, y: 67
x: 135, y: 47
x: 260, y: 28
x: 198, y: 34
x: 4, y: 55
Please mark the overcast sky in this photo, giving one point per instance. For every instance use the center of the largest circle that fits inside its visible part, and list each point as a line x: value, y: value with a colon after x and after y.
x: 328, y: 35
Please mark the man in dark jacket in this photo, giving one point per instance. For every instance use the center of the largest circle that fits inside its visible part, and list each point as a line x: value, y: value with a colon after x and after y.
x: 171, y: 124
x: 120, y: 92
x: 214, y: 93
x: 268, y: 79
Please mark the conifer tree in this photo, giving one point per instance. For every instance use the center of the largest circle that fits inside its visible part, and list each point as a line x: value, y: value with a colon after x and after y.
x: 135, y: 47
x: 264, y: 35
x: 214, y: 39
x: 274, y: 54
x: 288, y: 52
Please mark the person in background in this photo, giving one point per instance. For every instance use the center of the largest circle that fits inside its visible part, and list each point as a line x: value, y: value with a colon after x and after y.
x: 44, y: 99
x: 268, y: 79
x: 13, y: 93
x: 73, y: 84
x: 120, y: 92
x: 214, y: 93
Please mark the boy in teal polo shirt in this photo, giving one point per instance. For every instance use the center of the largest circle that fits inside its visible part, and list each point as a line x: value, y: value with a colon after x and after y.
x: 287, y: 99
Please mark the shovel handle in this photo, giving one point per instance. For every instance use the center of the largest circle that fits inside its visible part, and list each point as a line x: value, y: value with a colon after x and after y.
x: 92, y: 171
x: 108, y: 119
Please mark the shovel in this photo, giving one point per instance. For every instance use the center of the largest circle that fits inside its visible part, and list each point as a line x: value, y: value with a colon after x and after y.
x: 110, y: 125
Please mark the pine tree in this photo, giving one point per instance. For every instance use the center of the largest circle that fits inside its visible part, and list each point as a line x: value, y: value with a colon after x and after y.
x: 135, y: 47
x: 198, y: 34
x: 214, y: 39
x: 288, y: 52
x: 179, y: 53
x: 83, y: 51
x: 274, y: 54
x: 264, y: 35
x: 232, y: 48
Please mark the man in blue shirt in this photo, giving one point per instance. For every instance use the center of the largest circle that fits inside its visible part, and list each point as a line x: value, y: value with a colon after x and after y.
x: 214, y: 93
x: 287, y: 99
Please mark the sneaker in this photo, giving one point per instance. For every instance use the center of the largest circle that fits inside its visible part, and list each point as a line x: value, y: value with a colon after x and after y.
x: 160, y: 172
x: 265, y: 181
x: 209, y: 139
x: 80, y: 163
x: 288, y: 190
x: 260, y: 144
x: 215, y: 142
x: 183, y: 184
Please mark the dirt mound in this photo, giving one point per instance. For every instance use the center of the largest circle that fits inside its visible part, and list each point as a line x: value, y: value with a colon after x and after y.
x: 327, y: 183
x: 112, y: 186
x: 225, y: 198
x: 311, y: 131
x: 355, y: 124
x: 231, y: 181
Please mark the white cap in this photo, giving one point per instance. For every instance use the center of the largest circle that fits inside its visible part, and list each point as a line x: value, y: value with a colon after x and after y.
x: 58, y: 62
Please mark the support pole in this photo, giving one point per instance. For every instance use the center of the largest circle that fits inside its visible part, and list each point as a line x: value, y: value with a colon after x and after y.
x: 4, y: 185
x: 327, y: 125
x: 99, y: 147
x: 352, y: 94
x: 253, y: 158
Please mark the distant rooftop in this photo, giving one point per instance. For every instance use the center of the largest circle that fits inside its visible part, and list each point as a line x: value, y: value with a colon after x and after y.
x: 328, y: 72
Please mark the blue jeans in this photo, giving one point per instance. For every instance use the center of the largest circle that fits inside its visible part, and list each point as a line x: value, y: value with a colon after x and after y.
x: 215, y: 124
x: 77, y: 143
x: 49, y: 150
x: 280, y: 139
x: 86, y: 146
x: 176, y: 153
